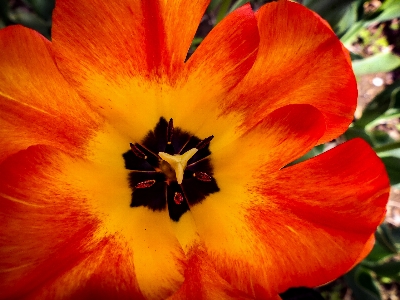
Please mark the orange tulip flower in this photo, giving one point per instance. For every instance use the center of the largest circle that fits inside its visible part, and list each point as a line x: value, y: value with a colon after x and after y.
x: 129, y: 172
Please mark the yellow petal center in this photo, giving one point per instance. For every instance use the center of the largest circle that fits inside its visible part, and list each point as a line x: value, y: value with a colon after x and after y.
x: 178, y: 162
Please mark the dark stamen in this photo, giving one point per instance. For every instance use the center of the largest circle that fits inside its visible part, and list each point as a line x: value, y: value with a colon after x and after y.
x: 170, y: 131
x: 137, y: 151
x: 145, y: 184
x: 204, y: 142
x: 178, y: 198
x: 202, y: 176
x: 154, y: 185
x: 149, y: 156
x: 197, y: 161
x: 184, y: 145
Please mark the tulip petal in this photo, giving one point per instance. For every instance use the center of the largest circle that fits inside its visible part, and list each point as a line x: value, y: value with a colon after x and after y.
x: 129, y: 99
x: 283, y: 136
x: 300, y: 60
x: 130, y: 38
x: 123, y: 56
x: 303, y: 225
x: 332, y: 216
x: 68, y: 230
x: 215, y: 68
x: 33, y: 108
x: 202, y: 282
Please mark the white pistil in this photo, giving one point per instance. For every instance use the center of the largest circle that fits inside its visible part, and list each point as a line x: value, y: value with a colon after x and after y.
x: 178, y: 162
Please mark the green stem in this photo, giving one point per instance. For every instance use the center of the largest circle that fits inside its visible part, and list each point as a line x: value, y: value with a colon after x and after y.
x: 392, y: 146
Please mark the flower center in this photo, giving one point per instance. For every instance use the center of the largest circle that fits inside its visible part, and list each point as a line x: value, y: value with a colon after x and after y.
x: 178, y: 177
x: 177, y: 162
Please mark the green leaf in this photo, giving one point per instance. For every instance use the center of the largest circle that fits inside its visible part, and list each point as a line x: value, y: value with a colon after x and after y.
x: 223, y: 10
x: 392, y: 149
x: 355, y: 132
x: 352, y: 33
x: 387, y: 244
x: 313, y: 152
x: 384, y: 237
x: 391, y: 113
x: 392, y: 165
x: 4, y: 12
x: 238, y: 4
x: 31, y: 20
x: 349, y: 16
x: 340, y: 14
x: 196, y: 41
x: 377, y: 254
x: 389, y: 269
x: 363, y: 286
x: 396, y: 237
x: 355, y: 56
x: 381, y: 137
x: 214, y: 4
x: 43, y: 8
x: 387, y: 99
x: 381, y: 62
x: 390, y: 9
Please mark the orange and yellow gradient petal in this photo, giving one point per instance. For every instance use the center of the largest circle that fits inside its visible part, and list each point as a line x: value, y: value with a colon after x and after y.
x: 202, y: 282
x: 67, y: 226
x: 215, y: 68
x: 314, y: 215
x: 122, y: 57
x: 124, y: 38
x: 300, y: 60
x: 37, y: 105
x: 132, y: 102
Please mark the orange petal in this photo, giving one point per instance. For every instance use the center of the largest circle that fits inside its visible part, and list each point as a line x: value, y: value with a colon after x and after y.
x: 300, y: 60
x: 366, y: 250
x: 280, y: 138
x: 217, y: 65
x: 68, y: 230
x: 124, y: 37
x: 37, y: 105
x: 119, y: 55
x: 303, y: 225
x: 353, y: 172
x: 324, y: 211
x: 128, y: 99
x: 202, y: 282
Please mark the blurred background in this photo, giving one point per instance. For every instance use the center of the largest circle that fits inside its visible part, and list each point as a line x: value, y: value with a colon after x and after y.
x: 370, y: 30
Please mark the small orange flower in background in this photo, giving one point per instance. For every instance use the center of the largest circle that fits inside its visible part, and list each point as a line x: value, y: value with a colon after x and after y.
x: 130, y: 173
